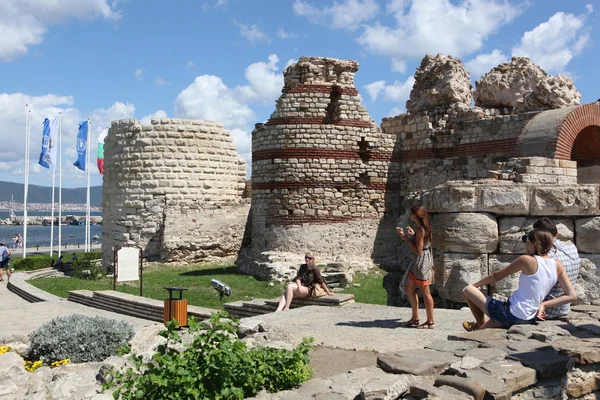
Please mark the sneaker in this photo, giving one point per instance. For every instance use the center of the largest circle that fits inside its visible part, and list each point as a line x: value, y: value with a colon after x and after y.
x: 470, y: 326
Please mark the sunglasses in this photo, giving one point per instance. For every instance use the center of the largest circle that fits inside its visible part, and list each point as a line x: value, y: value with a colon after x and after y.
x: 308, y: 258
x: 527, y: 237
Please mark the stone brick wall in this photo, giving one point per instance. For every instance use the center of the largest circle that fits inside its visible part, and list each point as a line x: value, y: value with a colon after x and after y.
x: 433, y: 148
x: 320, y: 169
x: 174, y: 188
x: 477, y: 226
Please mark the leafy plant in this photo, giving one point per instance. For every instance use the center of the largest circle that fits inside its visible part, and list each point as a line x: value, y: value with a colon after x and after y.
x: 216, y: 365
x: 79, y: 338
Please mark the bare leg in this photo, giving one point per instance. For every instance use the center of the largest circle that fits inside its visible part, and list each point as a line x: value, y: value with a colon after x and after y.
x: 428, y: 303
x: 287, y: 294
x: 477, y: 303
x: 8, y: 273
x: 295, y: 291
x: 413, y: 298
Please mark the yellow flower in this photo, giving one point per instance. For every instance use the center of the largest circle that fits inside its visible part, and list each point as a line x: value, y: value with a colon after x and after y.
x: 4, y: 349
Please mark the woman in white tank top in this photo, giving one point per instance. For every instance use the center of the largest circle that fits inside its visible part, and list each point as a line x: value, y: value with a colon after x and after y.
x: 539, y: 273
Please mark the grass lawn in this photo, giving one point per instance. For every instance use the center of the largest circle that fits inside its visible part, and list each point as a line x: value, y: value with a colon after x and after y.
x: 371, y: 289
x: 201, y: 293
x: 195, y: 278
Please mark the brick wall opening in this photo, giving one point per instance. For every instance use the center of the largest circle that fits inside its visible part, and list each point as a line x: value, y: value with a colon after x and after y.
x: 586, y: 151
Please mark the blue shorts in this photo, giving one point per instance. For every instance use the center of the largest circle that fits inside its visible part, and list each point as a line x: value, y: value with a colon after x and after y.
x: 499, y: 311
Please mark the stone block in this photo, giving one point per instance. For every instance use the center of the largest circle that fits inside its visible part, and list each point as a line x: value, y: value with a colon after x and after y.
x: 588, y: 234
x: 565, y: 200
x: 515, y: 375
x: 567, y: 164
x: 427, y: 391
x: 511, y: 229
x: 504, y: 288
x: 454, y: 271
x: 494, y: 387
x: 504, y: 200
x: 451, y: 198
x: 388, y: 387
x: 583, y: 352
x: 588, y: 283
x: 547, y: 364
x: 583, y: 380
x: 469, y: 386
x: 485, y: 337
x: 455, y: 347
x: 465, y: 233
x: 487, y: 354
x: 416, y: 362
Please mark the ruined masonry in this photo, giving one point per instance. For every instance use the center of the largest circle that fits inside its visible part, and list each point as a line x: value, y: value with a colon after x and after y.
x: 175, y: 188
x: 319, y: 174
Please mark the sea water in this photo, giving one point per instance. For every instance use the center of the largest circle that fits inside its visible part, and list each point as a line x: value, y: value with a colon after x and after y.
x: 38, y: 235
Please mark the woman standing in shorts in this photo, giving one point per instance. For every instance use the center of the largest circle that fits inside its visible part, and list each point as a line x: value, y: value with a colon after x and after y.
x: 421, y: 267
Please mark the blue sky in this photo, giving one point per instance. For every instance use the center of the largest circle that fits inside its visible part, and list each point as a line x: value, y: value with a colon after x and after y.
x: 223, y: 59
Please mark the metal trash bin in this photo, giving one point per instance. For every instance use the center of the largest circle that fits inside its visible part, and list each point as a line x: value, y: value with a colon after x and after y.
x: 176, y: 308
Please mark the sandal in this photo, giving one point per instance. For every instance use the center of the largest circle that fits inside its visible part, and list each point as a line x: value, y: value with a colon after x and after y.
x: 426, y: 325
x: 470, y: 326
x: 412, y: 323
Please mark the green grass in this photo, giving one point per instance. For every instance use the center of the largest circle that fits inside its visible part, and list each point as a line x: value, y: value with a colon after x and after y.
x: 200, y: 293
x: 195, y: 278
x: 371, y: 289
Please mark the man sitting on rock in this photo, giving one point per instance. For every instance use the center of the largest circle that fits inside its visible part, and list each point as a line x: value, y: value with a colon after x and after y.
x: 567, y: 254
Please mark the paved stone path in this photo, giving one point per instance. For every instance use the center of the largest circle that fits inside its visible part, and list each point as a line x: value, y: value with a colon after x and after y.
x: 18, y: 317
x: 360, y: 326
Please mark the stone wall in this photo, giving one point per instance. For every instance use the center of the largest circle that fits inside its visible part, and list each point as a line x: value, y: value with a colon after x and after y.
x: 477, y: 226
x: 320, y: 178
x: 174, y: 188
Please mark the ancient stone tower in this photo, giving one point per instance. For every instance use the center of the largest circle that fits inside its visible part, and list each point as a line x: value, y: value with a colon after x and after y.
x: 173, y: 187
x: 319, y: 170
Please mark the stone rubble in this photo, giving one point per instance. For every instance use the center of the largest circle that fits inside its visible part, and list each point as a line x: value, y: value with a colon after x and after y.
x: 522, y: 86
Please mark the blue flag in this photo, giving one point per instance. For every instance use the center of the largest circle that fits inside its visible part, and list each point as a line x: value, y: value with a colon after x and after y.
x: 81, y: 145
x: 49, y: 142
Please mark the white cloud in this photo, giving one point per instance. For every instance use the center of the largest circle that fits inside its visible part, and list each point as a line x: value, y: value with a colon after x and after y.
x: 483, y: 63
x: 23, y: 23
x: 138, y: 73
x: 589, y: 8
x: 160, y: 81
x: 282, y: 34
x: 554, y: 43
x: 210, y: 98
x: 290, y: 62
x: 347, y: 14
x: 12, y: 130
x: 190, y: 64
x: 147, y: 119
x: 253, y: 33
x: 215, y: 5
x: 397, y: 92
x: 435, y: 26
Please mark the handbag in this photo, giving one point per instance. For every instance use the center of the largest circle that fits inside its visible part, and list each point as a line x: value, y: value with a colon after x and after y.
x: 317, y: 291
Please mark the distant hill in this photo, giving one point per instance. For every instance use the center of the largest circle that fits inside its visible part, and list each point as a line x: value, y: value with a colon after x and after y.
x: 43, y: 194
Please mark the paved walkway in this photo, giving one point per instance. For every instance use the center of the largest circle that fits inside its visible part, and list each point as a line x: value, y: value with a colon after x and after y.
x: 45, y: 250
x: 360, y: 326
x: 19, y: 318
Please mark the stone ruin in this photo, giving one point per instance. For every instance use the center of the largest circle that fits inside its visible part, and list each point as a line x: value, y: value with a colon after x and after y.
x: 174, y: 188
x: 327, y: 178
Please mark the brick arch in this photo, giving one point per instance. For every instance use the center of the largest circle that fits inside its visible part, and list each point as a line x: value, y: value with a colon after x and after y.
x: 576, y: 122
x: 552, y: 133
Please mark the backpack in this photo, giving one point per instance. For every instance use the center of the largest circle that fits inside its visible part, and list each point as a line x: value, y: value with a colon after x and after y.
x: 5, y: 256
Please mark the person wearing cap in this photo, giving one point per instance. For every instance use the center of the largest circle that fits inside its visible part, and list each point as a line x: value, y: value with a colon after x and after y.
x: 307, y: 283
x: 4, y: 258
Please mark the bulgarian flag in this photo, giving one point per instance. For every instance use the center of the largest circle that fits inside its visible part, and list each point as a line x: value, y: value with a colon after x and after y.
x: 103, y: 134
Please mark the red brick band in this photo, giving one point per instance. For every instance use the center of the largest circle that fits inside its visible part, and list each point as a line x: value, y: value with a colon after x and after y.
x: 319, y: 121
x: 506, y: 146
x: 322, y: 89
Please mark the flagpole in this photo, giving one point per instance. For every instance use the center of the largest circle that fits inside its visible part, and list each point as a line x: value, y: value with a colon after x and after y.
x: 26, y: 188
x: 52, y: 217
x: 87, y: 211
x: 59, y: 182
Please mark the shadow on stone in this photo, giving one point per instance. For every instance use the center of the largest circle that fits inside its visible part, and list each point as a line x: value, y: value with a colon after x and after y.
x: 378, y: 323
x: 212, y: 271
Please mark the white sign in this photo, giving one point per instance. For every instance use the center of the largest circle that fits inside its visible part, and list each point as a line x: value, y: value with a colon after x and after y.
x: 128, y: 264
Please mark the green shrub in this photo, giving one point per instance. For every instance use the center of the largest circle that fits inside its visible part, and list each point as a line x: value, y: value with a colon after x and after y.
x: 86, y: 267
x: 80, y: 338
x: 31, y: 263
x: 216, y: 365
